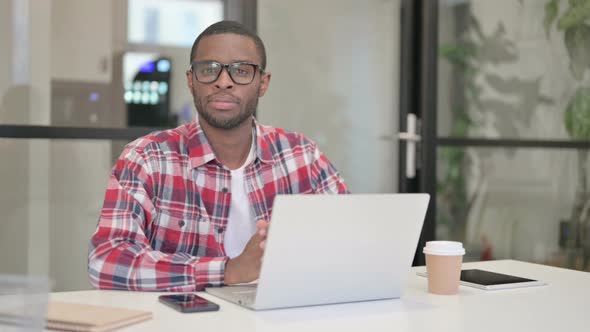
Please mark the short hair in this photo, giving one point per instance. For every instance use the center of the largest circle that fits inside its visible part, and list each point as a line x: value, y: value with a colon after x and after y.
x: 235, y: 28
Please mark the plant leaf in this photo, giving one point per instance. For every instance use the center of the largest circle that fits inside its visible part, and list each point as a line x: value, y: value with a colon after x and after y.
x: 551, y: 10
x: 461, y: 125
x: 577, y: 42
x: 458, y: 54
x: 568, y: 121
x: 577, y: 115
x: 578, y: 12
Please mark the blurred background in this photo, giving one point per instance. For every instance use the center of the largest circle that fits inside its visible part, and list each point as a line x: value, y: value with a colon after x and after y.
x: 483, y: 104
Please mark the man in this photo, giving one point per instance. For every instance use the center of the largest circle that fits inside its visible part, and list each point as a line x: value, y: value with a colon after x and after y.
x: 187, y: 208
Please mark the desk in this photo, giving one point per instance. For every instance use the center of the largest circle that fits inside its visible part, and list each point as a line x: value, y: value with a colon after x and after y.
x: 562, y: 305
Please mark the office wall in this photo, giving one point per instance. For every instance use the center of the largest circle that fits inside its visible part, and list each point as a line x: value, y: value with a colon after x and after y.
x: 335, y: 72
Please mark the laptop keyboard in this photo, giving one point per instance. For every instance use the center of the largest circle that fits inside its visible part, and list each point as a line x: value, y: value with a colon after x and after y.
x: 245, y: 294
x: 247, y: 297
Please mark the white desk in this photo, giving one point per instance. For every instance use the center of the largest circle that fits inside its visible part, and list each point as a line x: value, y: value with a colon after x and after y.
x: 563, y: 305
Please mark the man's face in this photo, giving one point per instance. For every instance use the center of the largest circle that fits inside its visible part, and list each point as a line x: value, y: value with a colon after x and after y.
x: 224, y: 104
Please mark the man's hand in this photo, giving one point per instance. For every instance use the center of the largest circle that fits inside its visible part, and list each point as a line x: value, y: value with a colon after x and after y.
x: 246, y: 267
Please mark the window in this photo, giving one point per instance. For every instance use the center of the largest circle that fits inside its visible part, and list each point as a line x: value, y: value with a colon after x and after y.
x: 172, y: 22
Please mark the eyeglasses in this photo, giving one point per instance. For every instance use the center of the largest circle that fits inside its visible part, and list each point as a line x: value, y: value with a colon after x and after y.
x: 241, y: 73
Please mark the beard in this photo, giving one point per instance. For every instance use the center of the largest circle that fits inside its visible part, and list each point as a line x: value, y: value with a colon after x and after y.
x: 226, y: 124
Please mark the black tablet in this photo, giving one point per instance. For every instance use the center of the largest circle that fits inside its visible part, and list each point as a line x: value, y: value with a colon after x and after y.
x: 492, y: 280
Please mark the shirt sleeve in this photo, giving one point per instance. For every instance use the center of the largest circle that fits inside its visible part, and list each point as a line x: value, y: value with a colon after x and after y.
x: 120, y: 255
x: 325, y: 177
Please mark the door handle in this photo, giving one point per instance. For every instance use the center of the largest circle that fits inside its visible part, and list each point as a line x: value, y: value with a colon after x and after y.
x: 412, y: 138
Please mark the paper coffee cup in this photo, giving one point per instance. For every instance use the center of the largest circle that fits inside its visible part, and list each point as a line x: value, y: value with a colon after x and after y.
x: 443, y: 264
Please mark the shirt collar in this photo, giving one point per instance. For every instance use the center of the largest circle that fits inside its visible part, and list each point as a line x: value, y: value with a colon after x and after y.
x: 200, y: 151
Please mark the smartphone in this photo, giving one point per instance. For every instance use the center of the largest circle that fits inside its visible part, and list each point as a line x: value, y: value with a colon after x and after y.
x: 188, y: 303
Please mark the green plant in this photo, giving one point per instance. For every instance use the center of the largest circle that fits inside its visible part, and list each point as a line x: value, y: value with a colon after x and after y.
x: 577, y: 123
x: 454, y: 201
x: 576, y: 33
x: 510, y: 101
x: 473, y: 51
x: 574, y: 24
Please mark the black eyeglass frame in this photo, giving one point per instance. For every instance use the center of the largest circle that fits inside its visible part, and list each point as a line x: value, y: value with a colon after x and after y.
x: 226, y: 67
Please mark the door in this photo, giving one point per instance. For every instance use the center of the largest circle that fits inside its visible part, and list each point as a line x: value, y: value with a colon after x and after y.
x: 417, y: 116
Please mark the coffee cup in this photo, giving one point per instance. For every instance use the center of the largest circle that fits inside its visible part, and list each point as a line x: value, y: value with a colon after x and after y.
x: 443, y: 265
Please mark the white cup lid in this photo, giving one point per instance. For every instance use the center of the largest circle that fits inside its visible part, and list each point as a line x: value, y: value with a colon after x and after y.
x: 444, y: 248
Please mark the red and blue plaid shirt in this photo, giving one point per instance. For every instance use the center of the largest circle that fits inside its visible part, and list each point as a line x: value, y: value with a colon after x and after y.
x: 167, y: 203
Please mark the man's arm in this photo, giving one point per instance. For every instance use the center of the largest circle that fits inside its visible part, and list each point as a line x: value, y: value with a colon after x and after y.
x: 325, y: 177
x: 120, y: 255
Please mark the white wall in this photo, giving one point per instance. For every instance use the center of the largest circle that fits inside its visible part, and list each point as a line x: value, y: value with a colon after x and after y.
x: 335, y: 72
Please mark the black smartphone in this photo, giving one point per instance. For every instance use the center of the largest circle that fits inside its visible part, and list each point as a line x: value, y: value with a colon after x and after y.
x: 188, y: 303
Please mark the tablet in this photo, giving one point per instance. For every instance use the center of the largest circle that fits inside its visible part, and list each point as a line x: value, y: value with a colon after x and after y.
x: 488, y: 280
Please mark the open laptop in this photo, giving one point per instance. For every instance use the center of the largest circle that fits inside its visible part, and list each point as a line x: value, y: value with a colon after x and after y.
x: 324, y: 249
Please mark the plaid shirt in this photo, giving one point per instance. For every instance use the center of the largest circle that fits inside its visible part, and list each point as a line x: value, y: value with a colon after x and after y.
x: 167, y: 204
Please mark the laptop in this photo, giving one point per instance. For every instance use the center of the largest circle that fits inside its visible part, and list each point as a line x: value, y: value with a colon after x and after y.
x: 326, y: 249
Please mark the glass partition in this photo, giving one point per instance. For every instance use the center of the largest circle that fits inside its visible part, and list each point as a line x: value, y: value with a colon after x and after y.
x: 513, y: 72
x: 51, y: 199
x: 512, y: 69
x: 101, y: 64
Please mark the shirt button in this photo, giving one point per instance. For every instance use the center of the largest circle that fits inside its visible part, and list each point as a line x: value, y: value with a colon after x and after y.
x: 181, y: 223
x: 220, y: 230
x: 224, y: 190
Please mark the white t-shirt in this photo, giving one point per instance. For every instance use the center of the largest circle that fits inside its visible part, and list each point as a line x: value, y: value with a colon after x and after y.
x: 240, y: 222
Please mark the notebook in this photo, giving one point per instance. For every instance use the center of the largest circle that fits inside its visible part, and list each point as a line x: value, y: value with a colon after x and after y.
x: 91, y: 318
x: 325, y: 249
